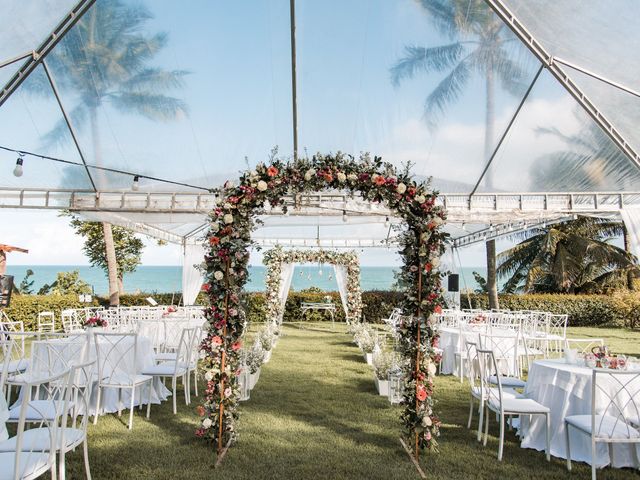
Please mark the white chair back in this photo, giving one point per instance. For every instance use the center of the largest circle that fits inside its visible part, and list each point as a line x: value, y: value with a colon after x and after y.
x: 46, y: 322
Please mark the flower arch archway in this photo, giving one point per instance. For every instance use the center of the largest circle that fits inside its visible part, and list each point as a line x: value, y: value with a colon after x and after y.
x: 275, y: 258
x: 229, y: 238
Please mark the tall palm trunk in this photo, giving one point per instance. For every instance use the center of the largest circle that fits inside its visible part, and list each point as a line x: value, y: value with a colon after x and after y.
x: 109, y: 245
x: 627, y: 248
x: 492, y: 286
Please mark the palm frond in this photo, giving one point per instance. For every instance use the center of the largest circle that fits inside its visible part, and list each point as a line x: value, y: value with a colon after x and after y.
x: 152, y: 106
x: 446, y: 92
x: 154, y: 80
x: 423, y: 59
x: 59, y: 135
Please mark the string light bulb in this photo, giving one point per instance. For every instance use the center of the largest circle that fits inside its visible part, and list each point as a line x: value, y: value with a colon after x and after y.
x: 387, y: 222
x: 18, y: 170
x: 344, y: 216
x: 491, y: 227
x: 135, y: 186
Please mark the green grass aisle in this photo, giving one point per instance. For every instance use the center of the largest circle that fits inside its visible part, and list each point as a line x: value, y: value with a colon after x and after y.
x: 314, y: 414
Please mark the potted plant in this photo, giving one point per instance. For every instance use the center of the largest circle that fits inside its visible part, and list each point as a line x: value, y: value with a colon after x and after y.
x: 254, y: 359
x: 383, y: 362
x: 367, y: 342
x: 266, y: 339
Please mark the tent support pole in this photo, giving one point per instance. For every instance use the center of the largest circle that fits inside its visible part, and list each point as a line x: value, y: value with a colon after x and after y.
x: 506, y: 131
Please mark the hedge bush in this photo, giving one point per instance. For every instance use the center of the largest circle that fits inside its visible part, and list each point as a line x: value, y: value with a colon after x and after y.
x: 620, y: 310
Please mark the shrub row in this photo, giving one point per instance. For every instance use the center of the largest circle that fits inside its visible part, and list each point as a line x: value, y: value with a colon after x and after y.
x: 618, y: 309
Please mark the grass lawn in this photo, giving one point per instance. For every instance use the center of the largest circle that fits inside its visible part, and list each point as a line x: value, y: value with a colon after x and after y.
x: 315, y: 414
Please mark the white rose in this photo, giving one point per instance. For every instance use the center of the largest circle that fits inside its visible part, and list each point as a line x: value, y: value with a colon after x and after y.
x: 352, y: 177
x: 228, y: 218
x: 341, y: 177
x: 438, y: 220
x: 435, y: 262
x: 215, y: 227
x: 432, y: 368
x: 426, y: 421
x: 262, y: 185
x: 218, y: 275
x: 208, y: 376
x: 310, y: 173
x: 206, y: 423
x: 420, y: 199
x: 401, y: 188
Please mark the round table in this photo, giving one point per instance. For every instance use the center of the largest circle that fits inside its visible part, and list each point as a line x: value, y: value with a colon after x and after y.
x: 566, y: 390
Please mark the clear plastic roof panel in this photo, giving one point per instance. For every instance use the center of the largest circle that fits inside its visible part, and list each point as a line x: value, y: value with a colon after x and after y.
x: 194, y: 92
x: 24, y: 26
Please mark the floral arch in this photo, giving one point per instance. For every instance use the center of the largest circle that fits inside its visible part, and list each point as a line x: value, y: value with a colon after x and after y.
x: 276, y: 280
x: 229, y: 240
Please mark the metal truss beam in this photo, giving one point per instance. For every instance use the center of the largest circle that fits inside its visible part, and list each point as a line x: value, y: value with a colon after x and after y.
x: 458, y: 205
x: 45, y: 48
x: 565, y: 80
x: 324, y: 242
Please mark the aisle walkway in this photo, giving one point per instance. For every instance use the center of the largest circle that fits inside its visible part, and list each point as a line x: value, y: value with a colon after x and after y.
x: 315, y: 414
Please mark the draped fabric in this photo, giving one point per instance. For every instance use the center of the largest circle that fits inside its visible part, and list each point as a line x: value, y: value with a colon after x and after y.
x: 341, y: 280
x: 192, y: 278
x: 286, y: 274
x: 631, y: 218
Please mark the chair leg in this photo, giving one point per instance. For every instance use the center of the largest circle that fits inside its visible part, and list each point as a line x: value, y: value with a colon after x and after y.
x: 501, y: 444
x: 85, y: 448
x: 97, y: 412
x: 548, y: 449
x: 481, y: 415
x: 119, y: 402
x: 470, y: 412
x: 61, y: 465
x: 195, y: 380
x: 187, y: 393
x: 131, y: 407
x: 593, y: 459
x: 486, y: 425
x: 568, y: 444
x: 149, y: 398
x: 173, y: 386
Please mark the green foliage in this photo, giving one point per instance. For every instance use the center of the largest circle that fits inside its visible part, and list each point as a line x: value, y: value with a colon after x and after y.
x: 583, y: 310
x: 482, y: 283
x: 25, y: 308
x: 127, y: 245
x: 66, y: 283
x: 26, y: 285
x: 568, y: 257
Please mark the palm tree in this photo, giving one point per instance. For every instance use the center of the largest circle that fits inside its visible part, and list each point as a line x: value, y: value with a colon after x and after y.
x: 104, y: 60
x: 479, y: 41
x: 569, y: 257
x: 590, y: 162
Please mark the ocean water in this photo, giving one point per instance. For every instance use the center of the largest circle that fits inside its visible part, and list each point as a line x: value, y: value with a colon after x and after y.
x: 163, y: 279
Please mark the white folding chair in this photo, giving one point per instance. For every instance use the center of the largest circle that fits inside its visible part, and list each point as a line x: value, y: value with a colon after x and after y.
x: 21, y: 458
x: 178, y: 368
x: 583, y: 345
x: 503, y: 405
x: 46, y: 322
x: 615, y: 414
x: 117, y: 355
x: 505, y: 350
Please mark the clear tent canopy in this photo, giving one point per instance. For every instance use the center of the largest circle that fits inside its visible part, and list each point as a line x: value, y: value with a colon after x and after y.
x: 521, y: 112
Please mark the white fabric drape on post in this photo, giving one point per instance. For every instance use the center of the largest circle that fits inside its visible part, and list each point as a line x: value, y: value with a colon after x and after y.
x: 191, y: 277
x: 286, y: 275
x: 341, y: 280
x: 631, y: 218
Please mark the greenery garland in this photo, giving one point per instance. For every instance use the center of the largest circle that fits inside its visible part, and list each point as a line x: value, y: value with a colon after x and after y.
x: 276, y: 257
x: 229, y: 239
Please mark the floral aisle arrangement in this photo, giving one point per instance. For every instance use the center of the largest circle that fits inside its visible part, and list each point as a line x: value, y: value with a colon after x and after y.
x: 277, y: 256
x: 229, y: 239
x: 95, y: 321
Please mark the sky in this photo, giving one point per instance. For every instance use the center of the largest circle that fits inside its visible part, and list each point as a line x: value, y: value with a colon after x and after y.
x: 237, y: 87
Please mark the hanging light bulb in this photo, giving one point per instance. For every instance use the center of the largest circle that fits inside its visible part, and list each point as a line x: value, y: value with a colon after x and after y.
x: 18, y: 170
x: 387, y: 222
x: 464, y: 226
x: 491, y: 227
x: 344, y: 216
x: 320, y: 272
x: 135, y: 186
x: 510, y: 228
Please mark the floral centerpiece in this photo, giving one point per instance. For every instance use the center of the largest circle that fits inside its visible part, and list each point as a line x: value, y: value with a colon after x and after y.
x: 95, y: 321
x: 169, y: 310
x: 421, y: 243
x: 604, y: 358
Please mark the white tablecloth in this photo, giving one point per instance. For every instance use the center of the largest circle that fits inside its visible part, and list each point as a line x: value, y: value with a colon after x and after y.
x: 165, y: 332
x: 4, y: 416
x: 109, y: 403
x: 566, y: 390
